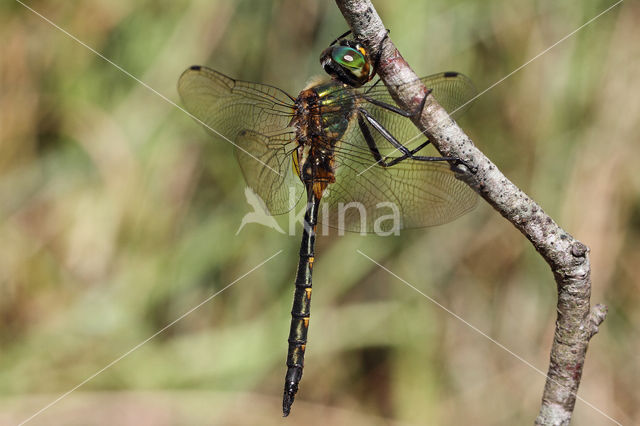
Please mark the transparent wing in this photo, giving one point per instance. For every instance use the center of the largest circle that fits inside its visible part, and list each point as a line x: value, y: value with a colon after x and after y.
x: 256, y: 119
x: 409, y: 194
x: 452, y: 90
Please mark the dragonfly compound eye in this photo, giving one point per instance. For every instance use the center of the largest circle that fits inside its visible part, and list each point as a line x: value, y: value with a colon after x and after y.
x: 347, y: 64
x: 348, y: 57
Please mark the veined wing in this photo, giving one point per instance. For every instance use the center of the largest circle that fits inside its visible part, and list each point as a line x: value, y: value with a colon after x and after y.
x: 452, y: 90
x: 411, y: 193
x: 256, y: 118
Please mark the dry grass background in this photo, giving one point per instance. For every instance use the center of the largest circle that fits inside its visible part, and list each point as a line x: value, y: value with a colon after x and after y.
x: 118, y: 214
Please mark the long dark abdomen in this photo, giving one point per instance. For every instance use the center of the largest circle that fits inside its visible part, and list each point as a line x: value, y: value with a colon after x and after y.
x: 301, y: 303
x: 322, y: 118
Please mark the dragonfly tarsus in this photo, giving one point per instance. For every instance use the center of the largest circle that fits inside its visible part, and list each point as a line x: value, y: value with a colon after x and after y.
x: 423, y: 101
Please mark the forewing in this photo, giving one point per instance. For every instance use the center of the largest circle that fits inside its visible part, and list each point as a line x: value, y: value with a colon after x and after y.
x: 255, y: 118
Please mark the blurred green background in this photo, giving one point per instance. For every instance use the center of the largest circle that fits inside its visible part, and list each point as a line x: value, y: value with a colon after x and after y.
x: 119, y: 213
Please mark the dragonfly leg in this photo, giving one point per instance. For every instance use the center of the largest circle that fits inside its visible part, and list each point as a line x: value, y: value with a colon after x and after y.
x: 349, y: 32
x: 389, y: 137
x: 393, y: 161
x: 394, y: 108
x: 340, y: 38
x: 371, y: 87
x: 376, y: 60
x: 396, y: 160
x: 364, y: 117
x: 387, y: 106
x: 384, y: 132
x: 370, y: 141
x: 423, y: 101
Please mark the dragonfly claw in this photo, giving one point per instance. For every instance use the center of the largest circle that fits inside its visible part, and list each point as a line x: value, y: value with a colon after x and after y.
x: 418, y: 111
x: 459, y: 166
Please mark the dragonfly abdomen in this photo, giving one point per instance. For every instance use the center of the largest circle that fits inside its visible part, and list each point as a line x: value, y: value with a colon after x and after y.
x: 301, y: 303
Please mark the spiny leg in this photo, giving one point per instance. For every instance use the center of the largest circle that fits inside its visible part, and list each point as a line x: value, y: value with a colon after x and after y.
x: 384, y: 132
x: 390, y: 161
x: 394, y: 108
x: 340, y: 38
x: 406, y: 153
x: 387, y: 106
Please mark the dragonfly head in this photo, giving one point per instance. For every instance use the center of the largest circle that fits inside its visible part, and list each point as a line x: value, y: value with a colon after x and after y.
x: 347, y: 62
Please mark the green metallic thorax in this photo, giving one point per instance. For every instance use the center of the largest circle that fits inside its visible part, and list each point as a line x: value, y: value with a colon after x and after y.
x: 323, y: 113
x: 337, y: 106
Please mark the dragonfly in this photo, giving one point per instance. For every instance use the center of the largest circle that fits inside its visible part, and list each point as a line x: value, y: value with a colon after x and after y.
x: 339, y: 143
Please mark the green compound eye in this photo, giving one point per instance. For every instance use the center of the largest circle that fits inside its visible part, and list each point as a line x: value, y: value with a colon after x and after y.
x: 348, y: 57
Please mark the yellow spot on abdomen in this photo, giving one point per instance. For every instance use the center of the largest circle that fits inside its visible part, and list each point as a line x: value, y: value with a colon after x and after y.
x: 296, y: 166
x: 306, y: 322
x: 308, y: 291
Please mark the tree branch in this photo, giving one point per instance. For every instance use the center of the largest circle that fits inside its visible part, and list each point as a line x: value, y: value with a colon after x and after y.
x: 567, y: 257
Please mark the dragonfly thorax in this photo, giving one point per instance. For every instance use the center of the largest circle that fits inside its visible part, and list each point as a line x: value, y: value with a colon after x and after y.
x: 322, y: 116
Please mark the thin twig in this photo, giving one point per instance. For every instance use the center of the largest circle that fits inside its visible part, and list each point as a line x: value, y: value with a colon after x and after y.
x: 568, y: 258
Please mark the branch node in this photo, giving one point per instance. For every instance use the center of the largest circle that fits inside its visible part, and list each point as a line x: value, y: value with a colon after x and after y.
x: 596, y: 317
x: 578, y: 249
